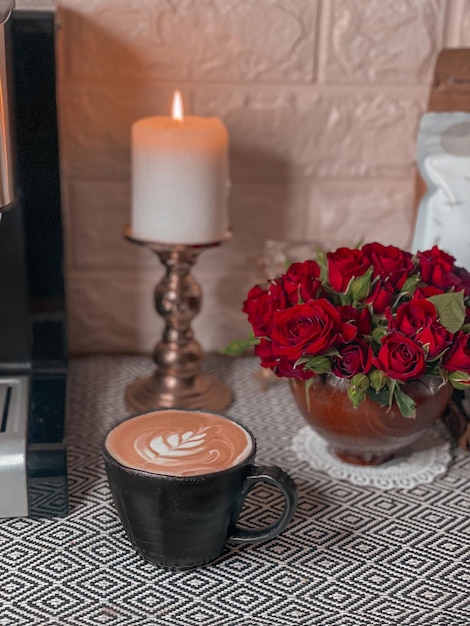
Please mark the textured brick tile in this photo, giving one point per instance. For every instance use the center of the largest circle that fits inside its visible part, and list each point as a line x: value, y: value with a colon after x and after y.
x: 369, y: 135
x: 221, y: 319
x: 97, y: 212
x: 275, y: 135
x: 347, y: 212
x: 227, y: 273
x: 465, y: 25
x: 287, y: 134
x: 110, y: 299
x: 190, y: 39
x: 383, y: 42
x: 96, y: 126
x: 261, y: 212
x: 112, y: 312
x: 329, y: 160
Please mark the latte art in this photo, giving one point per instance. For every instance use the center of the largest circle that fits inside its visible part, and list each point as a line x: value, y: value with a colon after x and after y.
x: 168, y: 450
x: 179, y: 443
x: 172, y: 446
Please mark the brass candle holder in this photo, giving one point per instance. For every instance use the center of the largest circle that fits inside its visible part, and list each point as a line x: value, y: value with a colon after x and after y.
x: 177, y: 381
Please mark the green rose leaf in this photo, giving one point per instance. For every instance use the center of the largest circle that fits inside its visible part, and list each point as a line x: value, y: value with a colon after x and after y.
x: 391, y: 384
x: 460, y: 380
x: 360, y: 381
x: 451, y: 309
x: 356, y: 396
x: 357, y: 389
x: 240, y: 346
x: 319, y: 364
x: 360, y: 286
x: 377, y: 380
x: 382, y: 396
x: 405, y: 404
x: 411, y: 284
x: 378, y: 333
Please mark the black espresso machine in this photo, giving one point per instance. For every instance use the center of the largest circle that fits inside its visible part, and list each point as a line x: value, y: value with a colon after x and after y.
x: 33, y: 349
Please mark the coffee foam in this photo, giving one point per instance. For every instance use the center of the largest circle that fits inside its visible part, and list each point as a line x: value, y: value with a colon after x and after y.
x: 179, y: 443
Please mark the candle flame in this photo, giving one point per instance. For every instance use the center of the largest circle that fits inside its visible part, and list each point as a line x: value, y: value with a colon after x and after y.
x: 177, y: 107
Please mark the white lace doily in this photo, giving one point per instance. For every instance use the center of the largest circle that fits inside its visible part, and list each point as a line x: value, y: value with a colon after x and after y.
x: 424, y: 461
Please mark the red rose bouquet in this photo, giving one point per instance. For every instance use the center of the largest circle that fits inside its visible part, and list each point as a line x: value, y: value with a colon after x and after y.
x: 376, y: 315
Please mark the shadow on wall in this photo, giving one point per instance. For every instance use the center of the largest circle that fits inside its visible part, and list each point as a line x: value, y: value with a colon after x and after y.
x: 258, y: 212
x: 109, y: 280
x: 107, y: 84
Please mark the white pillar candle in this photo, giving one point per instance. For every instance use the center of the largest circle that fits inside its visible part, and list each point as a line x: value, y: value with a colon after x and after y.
x: 179, y: 178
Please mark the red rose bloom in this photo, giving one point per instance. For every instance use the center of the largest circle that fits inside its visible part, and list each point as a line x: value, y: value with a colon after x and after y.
x: 418, y: 319
x: 361, y: 318
x: 309, y: 328
x: 457, y: 358
x: 389, y: 262
x: 437, y: 268
x: 355, y: 357
x: 436, y: 338
x: 285, y: 367
x: 413, y: 316
x: 427, y: 291
x: 263, y: 351
x: 301, y: 281
x: 260, y: 306
x: 400, y: 357
x: 381, y: 296
x: 464, y: 280
x: 350, y: 310
x: 345, y: 264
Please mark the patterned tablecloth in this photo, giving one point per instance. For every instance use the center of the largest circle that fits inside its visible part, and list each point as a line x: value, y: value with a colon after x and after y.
x: 352, y: 556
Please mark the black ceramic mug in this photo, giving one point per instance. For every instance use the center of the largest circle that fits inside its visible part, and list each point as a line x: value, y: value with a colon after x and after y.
x: 179, y: 480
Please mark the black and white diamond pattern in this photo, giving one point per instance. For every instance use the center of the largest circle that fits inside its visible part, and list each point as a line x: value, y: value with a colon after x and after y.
x: 352, y: 556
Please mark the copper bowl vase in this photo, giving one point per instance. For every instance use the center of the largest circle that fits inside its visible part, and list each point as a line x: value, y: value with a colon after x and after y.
x: 370, y: 434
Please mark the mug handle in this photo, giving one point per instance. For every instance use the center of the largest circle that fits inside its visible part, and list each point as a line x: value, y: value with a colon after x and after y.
x: 272, y: 475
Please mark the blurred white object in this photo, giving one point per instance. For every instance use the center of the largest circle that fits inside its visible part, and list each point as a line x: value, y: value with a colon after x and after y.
x: 443, y: 155
x: 277, y: 255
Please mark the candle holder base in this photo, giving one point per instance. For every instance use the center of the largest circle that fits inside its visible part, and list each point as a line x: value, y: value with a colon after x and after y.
x: 177, y: 381
x: 167, y: 392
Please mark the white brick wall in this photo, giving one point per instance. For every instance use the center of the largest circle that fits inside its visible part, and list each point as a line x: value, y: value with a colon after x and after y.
x: 321, y: 99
